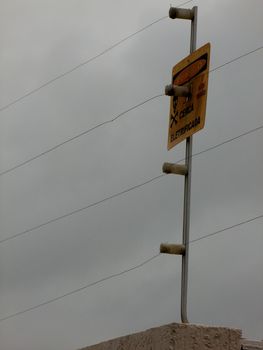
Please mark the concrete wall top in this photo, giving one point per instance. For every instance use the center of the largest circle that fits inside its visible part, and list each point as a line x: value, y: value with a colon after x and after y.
x: 251, y: 344
x: 176, y: 336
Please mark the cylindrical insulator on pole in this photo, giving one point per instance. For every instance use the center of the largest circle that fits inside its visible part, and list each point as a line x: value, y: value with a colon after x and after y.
x: 171, y: 168
x: 176, y: 12
x: 176, y: 249
x: 180, y: 91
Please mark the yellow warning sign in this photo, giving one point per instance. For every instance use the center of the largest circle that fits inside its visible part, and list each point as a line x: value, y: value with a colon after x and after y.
x: 187, y: 114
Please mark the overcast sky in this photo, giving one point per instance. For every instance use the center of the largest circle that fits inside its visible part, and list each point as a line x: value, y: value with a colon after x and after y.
x: 43, y: 39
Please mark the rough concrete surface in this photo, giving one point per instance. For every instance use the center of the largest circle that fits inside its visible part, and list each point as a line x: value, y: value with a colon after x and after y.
x: 176, y: 336
x: 251, y: 344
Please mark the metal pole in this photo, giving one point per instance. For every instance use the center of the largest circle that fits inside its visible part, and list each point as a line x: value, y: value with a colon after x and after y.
x: 187, y: 195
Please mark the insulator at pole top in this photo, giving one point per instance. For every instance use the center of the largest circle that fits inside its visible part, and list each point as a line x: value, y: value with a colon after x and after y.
x: 176, y: 12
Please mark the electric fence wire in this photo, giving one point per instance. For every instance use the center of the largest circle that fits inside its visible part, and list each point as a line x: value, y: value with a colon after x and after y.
x: 129, y: 189
x: 123, y: 272
x: 80, y: 135
x: 84, y: 63
x: 113, y: 119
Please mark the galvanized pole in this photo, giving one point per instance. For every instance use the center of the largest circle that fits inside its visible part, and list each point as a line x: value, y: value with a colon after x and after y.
x: 187, y: 195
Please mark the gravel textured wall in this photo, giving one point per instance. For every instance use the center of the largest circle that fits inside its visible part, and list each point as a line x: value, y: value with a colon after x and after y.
x: 176, y: 336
